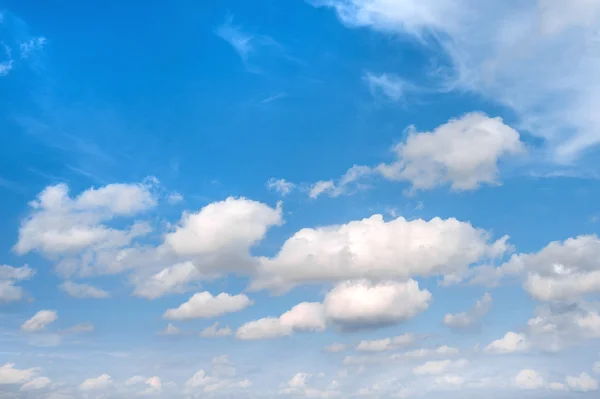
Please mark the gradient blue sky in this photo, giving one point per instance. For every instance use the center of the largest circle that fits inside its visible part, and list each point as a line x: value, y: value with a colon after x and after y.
x: 411, y: 185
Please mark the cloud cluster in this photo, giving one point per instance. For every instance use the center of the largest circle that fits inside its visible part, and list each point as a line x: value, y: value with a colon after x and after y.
x: 9, y: 277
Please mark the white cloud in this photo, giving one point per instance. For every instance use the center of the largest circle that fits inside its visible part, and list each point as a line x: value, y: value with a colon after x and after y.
x: 11, y: 375
x: 582, y: 383
x: 470, y: 317
x: 174, y: 198
x: 171, y: 330
x: 537, y: 57
x: 437, y: 367
x: 211, y: 383
x: 385, y: 344
x: 81, y: 291
x: 36, y: 383
x: 280, y: 186
x: 205, y: 305
x: 39, y: 321
x: 214, y: 331
x: 529, y: 379
x: 510, y: 343
x: 562, y: 270
x: 9, y: 276
x: 442, y: 350
x: 242, y: 42
x: 173, y: 279
x: 80, y: 328
x: 306, y: 316
x: 227, y: 227
x: 98, y: 383
x: 298, y: 386
x: 359, y: 304
x: 373, y: 248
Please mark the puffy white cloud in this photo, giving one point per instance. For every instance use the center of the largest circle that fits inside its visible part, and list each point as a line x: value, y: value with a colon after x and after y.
x: 173, y: 279
x: 437, y: 367
x: 385, y: 344
x: 373, y: 248
x: 39, y: 321
x: 449, y: 380
x: 81, y: 291
x: 582, y: 383
x: 280, y: 186
x: 205, y: 305
x: 557, y: 386
x: 306, y: 316
x: 60, y: 224
x: 562, y: 270
x: 431, y: 159
x: 529, y: 379
x: 36, y: 383
x: 16, y: 273
x: 232, y: 225
x: 92, y: 384
x: 510, y: 343
x: 470, y: 317
x: 9, y: 292
x: 211, y: 383
x: 519, y: 54
x: 214, y: 331
x: 359, y: 304
x: 298, y: 386
x: 11, y: 375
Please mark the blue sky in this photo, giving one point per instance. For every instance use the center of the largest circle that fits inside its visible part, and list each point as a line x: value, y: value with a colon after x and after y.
x: 321, y: 199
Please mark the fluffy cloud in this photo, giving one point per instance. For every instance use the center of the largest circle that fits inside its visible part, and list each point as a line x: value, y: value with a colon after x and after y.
x: 359, y: 304
x: 529, y: 379
x: 98, y: 383
x: 562, y: 270
x: 510, y: 343
x: 298, y: 386
x: 81, y: 291
x: 582, y: 383
x: 374, y: 248
x: 442, y: 350
x: 36, y: 383
x: 520, y: 55
x: 349, y: 305
x: 39, y: 321
x: 214, y: 331
x: 173, y: 279
x: 431, y: 159
x: 11, y: 375
x: 205, y: 305
x: 470, y: 317
x: 385, y: 344
x: 9, y: 276
x: 437, y: 367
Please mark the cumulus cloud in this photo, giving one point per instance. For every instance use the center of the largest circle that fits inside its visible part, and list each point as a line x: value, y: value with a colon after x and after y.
x: 205, y: 305
x: 529, y: 379
x: 11, y: 375
x: 520, y: 55
x: 214, y: 331
x: 582, y: 383
x: 39, y: 321
x: 349, y: 305
x: 373, y: 248
x: 428, y: 160
x: 510, y: 343
x: 82, y: 291
x: 298, y: 386
x: 470, y: 317
x: 173, y: 279
x: 98, y: 383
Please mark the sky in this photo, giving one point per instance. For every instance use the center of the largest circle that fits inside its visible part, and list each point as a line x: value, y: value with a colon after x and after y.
x: 303, y: 199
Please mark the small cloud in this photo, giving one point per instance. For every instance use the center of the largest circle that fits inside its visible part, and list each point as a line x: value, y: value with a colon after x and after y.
x: 80, y: 328
x: 390, y: 85
x: 280, y: 186
x: 171, y: 330
x: 275, y: 97
x: 29, y: 46
x: 241, y: 41
x: 174, y: 198
x: 6, y: 65
x: 83, y: 291
x: 39, y: 321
